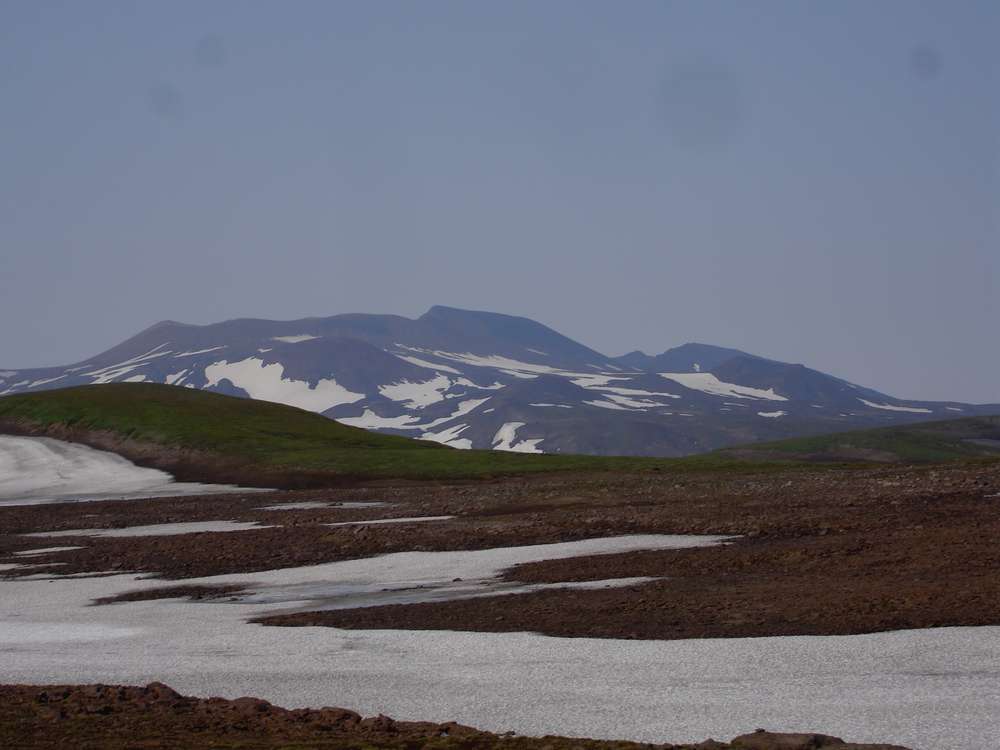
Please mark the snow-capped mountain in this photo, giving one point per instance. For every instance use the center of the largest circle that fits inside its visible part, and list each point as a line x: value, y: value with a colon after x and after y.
x: 484, y: 380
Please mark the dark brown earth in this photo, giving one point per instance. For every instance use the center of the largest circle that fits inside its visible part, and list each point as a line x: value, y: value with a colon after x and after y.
x: 111, y: 717
x: 824, y: 551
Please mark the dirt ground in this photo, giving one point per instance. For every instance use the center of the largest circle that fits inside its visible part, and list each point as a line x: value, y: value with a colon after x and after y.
x: 114, y: 717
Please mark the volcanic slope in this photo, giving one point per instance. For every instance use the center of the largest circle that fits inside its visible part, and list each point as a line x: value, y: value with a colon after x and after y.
x: 484, y: 380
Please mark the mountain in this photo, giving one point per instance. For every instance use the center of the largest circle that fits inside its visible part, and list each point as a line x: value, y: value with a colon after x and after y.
x: 484, y: 380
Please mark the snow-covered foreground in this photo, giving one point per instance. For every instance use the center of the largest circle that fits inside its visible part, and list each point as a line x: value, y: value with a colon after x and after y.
x: 42, y: 470
x: 933, y: 689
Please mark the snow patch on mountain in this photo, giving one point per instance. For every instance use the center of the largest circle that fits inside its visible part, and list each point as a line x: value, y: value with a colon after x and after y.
x: 265, y: 382
x: 504, y: 439
x: 608, y: 405
x: 706, y: 382
x: 372, y: 421
x: 175, y: 378
x: 200, y: 351
x: 115, y: 371
x: 450, y: 437
x: 890, y: 407
x: 771, y: 414
x: 297, y: 339
x: 44, y: 381
x: 417, y: 395
x: 429, y: 365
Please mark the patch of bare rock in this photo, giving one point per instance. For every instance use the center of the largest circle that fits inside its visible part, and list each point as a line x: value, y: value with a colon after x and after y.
x: 116, y: 717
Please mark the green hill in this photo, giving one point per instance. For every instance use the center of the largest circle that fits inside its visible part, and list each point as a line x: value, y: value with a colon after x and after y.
x: 202, y: 436
x: 966, y: 438
x: 207, y: 436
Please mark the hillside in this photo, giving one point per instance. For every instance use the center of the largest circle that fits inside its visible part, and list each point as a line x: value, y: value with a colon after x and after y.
x: 197, y: 435
x: 971, y: 437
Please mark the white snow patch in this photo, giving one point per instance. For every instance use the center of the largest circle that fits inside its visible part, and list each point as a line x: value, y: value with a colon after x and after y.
x: 468, y: 383
x: 631, y: 391
x: 157, y: 529
x: 372, y: 421
x: 771, y: 414
x: 417, y: 395
x: 109, y: 373
x: 953, y: 408
x: 488, y: 411
x: 538, y: 351
x: 595, y: 381
x: 265, y: 382
x: 264, y: 351
x: 558, y: 406
x: 450, y: 437
x: 45, y: 381
x: 43, y: 550
x: 175, y: 377
x: 380, y: 521
x: 135, y: 379
x: 296, y: 339
x: 429, y: 365
x: 632, y: 402
x: 608, y: 405
x: 34, y: 471
x: 200, y: 351
x: 697, y: 367
x: 889, y: 407
x: 706, y: 382
x: 504, y: 439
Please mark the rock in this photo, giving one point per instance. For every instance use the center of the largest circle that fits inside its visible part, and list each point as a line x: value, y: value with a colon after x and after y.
x: 763, y: 740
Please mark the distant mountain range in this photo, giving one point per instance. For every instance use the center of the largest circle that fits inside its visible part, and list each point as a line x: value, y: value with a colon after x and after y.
x: 485, y: 380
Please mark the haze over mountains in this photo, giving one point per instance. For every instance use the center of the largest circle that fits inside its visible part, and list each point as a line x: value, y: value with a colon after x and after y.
x: 485, y: 380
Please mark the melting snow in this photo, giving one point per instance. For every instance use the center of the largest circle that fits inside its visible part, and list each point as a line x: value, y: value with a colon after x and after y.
x: 297, y: 339
x: 200, y: 351
x: 429, y: 365
x: 175, y: 378
x: 37, y: 383
x: 706, y: 382
x: 34, y: 471
x: 504, y: 438
x: 378, y: 521
x: 417, y: 395
x: 631, y: 391
x: 608, y: 405
x: 450, y: 437
x: 372, y: 421
x: 157, y: 529
x: 108, y: 374
x: 265, y: 382
x: 889, y: 407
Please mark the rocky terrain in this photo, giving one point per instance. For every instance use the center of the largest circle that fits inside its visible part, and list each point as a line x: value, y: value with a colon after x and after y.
x: 115, y: 717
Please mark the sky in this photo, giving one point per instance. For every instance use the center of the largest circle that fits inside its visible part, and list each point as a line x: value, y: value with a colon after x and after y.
x: 816, y: 182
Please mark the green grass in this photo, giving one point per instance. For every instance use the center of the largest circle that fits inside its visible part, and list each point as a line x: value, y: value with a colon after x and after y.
x: 276, y: 437
x: 914, y: 443
x: 283, y: 439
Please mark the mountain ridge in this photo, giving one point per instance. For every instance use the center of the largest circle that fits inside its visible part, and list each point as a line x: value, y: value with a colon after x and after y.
x: 480, y: 379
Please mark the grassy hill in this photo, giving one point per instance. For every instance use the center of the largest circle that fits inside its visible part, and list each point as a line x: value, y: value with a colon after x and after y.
x: 205, y: 436
x: 966, y: 438
x: 196, y: 428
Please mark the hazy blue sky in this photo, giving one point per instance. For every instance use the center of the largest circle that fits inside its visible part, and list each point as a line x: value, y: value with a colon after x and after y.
x: 811, y: 181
